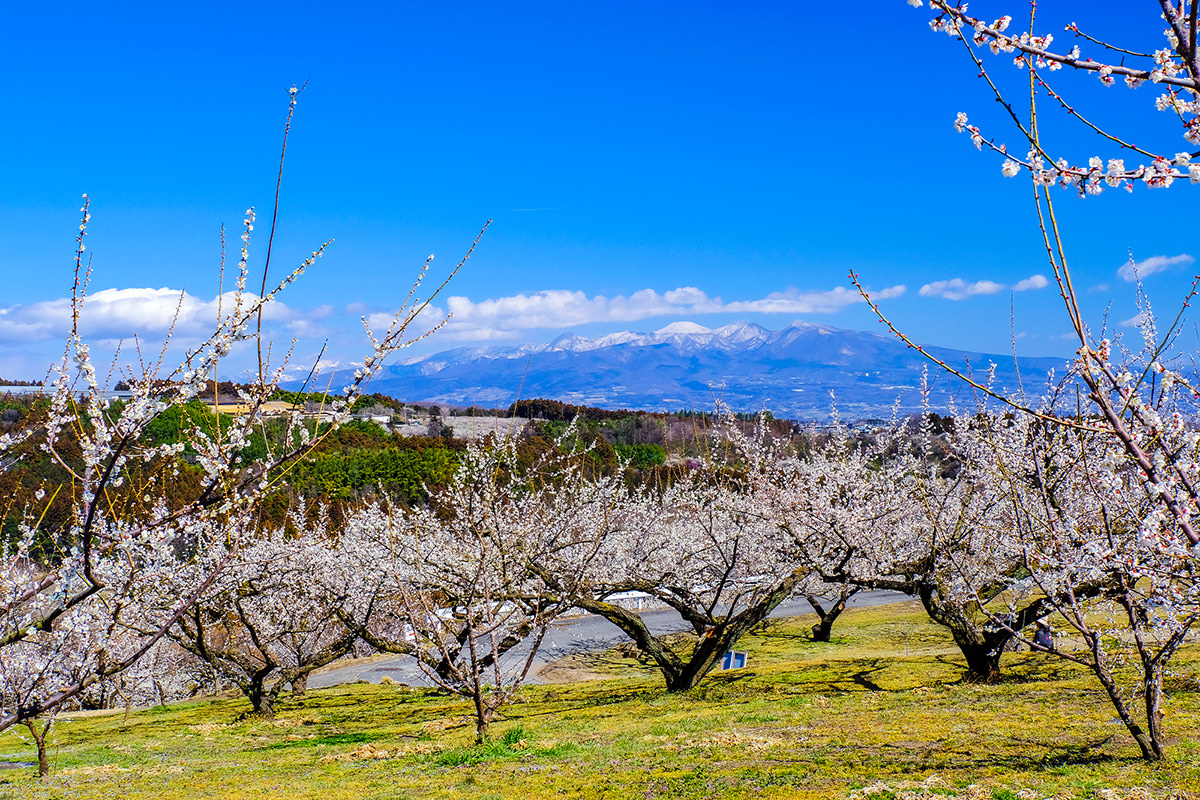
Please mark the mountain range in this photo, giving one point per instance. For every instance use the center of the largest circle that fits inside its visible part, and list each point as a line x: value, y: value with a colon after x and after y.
x: 791, y: 372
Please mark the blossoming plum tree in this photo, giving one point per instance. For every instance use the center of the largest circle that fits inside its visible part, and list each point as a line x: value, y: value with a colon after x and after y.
x: 273, y: 616
x: 77, y: 611
x: 1075, y: 513
x: 461, y: 582
x: 704, y: 546
x: 1126, y: 510
x: 883, y: 512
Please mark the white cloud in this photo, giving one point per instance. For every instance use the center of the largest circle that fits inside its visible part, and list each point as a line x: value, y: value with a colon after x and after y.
x: 1132, y: 271
x: 958, y: 289
x: 468, y: 334
x: 685, y: 294
x: 794, y: 302
x: 379, y: 322
x: 112, y: 314
x: 1032, y: 282
x: 502, y: 317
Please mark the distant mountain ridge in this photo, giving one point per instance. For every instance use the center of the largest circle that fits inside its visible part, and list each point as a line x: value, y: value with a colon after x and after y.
x: 688, y: 366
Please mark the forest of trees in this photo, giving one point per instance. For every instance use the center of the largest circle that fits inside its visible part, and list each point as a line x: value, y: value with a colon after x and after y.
x: 150, y: 541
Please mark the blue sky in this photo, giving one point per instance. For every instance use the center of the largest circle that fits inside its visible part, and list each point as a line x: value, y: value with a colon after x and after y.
x: 643, y: 163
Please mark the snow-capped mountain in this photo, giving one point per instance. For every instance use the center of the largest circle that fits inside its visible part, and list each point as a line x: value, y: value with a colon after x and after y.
x: 688, y: 366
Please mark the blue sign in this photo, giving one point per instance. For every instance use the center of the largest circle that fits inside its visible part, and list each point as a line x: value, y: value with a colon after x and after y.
x: 734, y: 659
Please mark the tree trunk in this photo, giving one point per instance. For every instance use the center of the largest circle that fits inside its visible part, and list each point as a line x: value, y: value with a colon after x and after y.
x: 983, y: 660
x: 483, y: 716
x: 1154, y: 710
x: 262, y: 698
x: 1150, y: 746
x: 300, y: 685
x: 707, y: 653
x: 715, y: 637
x: 264, y: 705
x: 39, y: 738
x: 980, y: 646
x: 822, y: 630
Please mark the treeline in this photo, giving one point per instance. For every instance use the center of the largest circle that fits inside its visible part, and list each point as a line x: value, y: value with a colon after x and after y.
x: 359, y: 462
x: 32, y: 477
x: 16, y: 408
x: 686, y: 434
x: 558, y: 411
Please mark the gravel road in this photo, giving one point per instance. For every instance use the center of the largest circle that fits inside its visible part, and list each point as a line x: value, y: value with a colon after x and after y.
x: 566, y: 636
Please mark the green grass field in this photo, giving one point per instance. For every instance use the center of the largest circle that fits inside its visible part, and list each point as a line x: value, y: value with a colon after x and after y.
x: 880, y: 713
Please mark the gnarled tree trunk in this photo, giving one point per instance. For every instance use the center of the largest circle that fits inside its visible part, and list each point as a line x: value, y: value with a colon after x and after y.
x: 717, y: 634
x: 39, y: 739
x: 827, y: 616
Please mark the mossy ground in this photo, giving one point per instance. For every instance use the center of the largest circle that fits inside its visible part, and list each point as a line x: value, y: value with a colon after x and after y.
x: 883, y: 704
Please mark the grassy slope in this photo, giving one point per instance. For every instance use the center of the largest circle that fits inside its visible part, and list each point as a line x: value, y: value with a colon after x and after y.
x: 882, y: 704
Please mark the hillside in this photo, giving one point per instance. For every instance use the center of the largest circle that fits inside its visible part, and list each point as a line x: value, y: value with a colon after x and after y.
x: 882, y: 707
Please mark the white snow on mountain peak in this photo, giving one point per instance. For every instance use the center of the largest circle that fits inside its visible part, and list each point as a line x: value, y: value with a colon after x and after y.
x: 815, y: 327
x: 683, y: 336
x: 791, y: 369
x: 743, y: 332
x: 682, y: 328
x: 581, y: 344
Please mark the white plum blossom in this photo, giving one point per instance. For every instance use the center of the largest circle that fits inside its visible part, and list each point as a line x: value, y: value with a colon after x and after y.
x: 1163, y: 66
